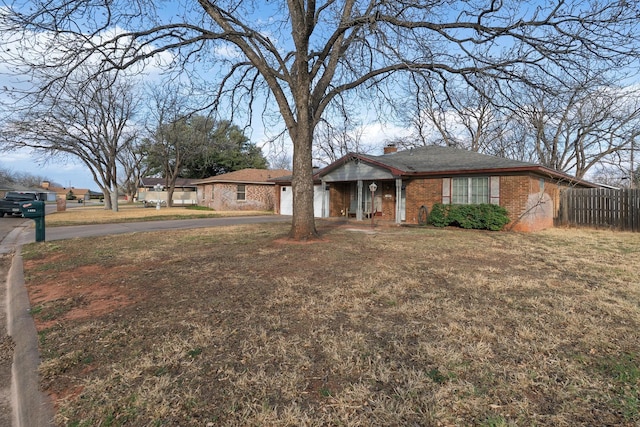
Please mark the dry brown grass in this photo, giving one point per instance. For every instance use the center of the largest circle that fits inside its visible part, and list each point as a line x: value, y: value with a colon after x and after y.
x: 134, y: 212
x: 427, y: 327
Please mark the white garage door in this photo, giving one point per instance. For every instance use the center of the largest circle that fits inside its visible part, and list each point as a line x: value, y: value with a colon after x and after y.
x: 286, y: 201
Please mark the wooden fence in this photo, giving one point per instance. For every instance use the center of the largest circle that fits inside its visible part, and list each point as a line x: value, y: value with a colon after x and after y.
x: 600, y: 207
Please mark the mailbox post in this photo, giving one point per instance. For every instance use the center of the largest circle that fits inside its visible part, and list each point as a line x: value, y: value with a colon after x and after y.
x: 35, y: 210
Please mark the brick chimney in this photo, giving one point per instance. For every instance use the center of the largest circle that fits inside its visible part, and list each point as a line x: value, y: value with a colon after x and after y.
x: 390, y: 148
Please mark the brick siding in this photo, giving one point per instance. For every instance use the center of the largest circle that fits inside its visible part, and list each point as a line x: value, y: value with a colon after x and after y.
x: 421, y: 192
x: 529, y: 208
x: 225, y: 197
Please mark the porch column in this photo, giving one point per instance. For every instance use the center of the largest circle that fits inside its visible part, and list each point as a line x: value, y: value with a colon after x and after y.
x: 398, y: 200
x: 359, y: 209
x: 324, y: 213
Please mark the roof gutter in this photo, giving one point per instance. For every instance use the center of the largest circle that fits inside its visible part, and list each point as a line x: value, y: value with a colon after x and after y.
x: 538, y: 170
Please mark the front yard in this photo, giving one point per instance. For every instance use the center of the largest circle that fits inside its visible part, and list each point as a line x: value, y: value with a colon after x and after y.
x: 96, y: 214
x: 418, y: 327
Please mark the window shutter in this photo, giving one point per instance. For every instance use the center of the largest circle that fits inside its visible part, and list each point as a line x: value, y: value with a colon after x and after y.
x: 446, y: 191
x: 494, y: 190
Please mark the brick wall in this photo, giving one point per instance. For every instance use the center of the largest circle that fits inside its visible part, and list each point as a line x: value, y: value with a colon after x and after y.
x: 388, y: 194
x: 535, y: 205
x: 421, y: 192
x: 224, y: 197
x: 530, y: 206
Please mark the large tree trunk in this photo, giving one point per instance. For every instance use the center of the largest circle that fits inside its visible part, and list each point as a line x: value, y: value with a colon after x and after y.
x: 106, y: 197
x: 114, y: 200
x: 170, y: 190
x: 303, y: 225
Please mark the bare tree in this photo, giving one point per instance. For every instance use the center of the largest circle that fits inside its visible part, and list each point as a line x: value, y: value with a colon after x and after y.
x: 88, y: 119
x: 131, y: 158
x: 279, y: 159
x: 173, y: 138
x: 455, y: 114
x: 10, y: 178
x: 334, y: 140
x: 305, y: 55
x: 621, y: 169
x: 575, y: 128
x: 570, y: 125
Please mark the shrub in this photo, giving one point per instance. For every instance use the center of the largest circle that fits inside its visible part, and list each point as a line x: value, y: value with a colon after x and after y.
x: 480, y: 217
x: 439, y: 214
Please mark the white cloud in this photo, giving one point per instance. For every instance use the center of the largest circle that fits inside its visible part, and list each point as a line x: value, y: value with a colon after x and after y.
x: 376, y: 134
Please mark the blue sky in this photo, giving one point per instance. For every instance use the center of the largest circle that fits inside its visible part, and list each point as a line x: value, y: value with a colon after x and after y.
x: 67, y: 174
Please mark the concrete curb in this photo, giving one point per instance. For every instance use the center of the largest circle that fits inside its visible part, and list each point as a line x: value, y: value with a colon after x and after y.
x: 31, y: 407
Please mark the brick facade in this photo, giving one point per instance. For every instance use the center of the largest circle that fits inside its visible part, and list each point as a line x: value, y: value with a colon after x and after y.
x: 532, y: 202
x: 224, y: 197
x: 421, y: 192
x: 529, y: 192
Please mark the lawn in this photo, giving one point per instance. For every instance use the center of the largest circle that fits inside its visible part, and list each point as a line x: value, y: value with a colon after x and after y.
x: 402, y: 326
x: 92, y: 214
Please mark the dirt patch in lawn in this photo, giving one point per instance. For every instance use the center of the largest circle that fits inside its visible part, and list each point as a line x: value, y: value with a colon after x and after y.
x: 84, y: 292
x: 229, y: 326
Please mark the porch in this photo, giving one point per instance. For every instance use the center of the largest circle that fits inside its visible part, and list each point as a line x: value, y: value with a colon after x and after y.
x: 364, y: 199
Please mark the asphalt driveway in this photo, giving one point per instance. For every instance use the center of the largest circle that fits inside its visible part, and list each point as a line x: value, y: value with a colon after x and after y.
x: 74, y: 231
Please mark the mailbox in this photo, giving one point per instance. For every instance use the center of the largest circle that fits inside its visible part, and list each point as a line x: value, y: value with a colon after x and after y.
x: 35, y: 211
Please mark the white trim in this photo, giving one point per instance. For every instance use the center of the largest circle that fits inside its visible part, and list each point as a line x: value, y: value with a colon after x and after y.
x: 494, y: 190
x: 446, y: 191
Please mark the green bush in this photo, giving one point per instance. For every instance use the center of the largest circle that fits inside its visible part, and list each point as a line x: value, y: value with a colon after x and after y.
x: 480, y: 217
x: 439, y: 214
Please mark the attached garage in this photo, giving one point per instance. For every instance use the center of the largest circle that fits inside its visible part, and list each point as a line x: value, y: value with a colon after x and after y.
x: 286, y: 201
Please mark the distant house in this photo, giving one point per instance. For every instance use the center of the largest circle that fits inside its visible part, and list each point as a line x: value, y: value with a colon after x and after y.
x: 182, y: 184
x: 184, y: 191
x: 70, y: 193
x: 246, y: 189
x: 407, y: 180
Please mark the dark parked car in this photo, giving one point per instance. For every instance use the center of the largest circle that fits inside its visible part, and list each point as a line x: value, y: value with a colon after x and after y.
x: 10, y: 205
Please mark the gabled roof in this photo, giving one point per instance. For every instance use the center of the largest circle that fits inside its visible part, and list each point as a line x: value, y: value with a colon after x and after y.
x: 65, y: 190
x: 436, y: 160
x: 247, y: 176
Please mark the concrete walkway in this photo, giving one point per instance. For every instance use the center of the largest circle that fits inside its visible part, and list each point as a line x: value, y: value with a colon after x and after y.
x: 30, y: 407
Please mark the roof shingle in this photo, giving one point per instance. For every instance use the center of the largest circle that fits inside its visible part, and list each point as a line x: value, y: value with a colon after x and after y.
x: 253, y: 176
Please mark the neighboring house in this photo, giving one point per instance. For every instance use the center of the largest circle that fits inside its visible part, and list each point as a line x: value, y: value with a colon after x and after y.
x: 44, y: 191
x: 184, y: 191
x: 64, y: 192
x: 407, y: 180
x: 246, y: 189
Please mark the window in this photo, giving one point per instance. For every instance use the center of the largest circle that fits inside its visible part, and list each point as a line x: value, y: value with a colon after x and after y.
x: 472, y: 190
x: 241, y: 192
